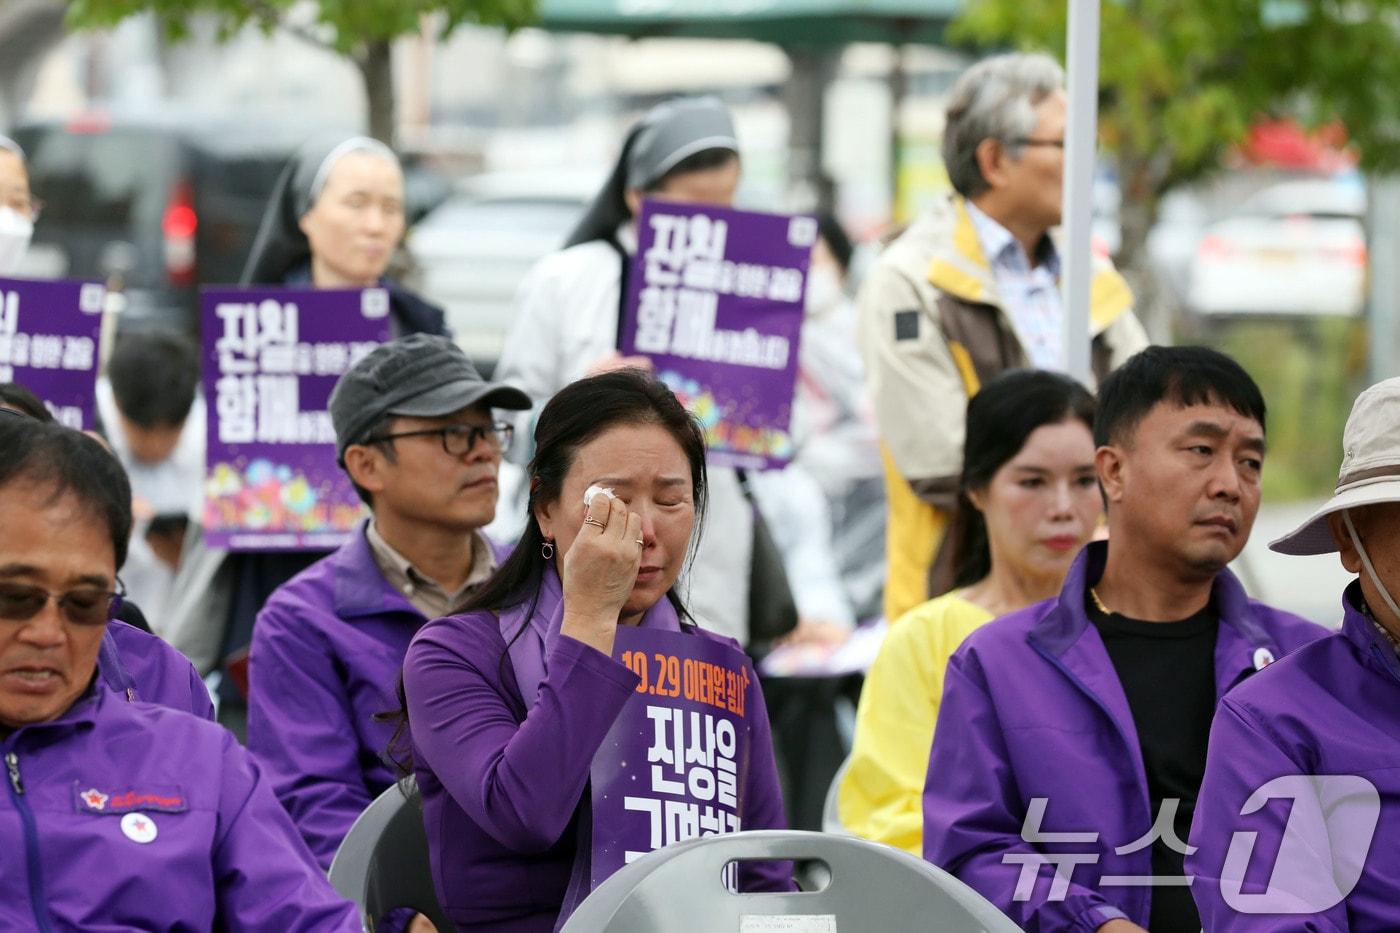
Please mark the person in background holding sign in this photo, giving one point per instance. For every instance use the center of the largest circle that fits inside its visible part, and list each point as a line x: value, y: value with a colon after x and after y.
x: 513, y: 707
x: 570, y: 310
x: 18, y: 208
x: 969, y: 290
x: 1072, y: 733
x: 1314, y: 741
x: 415, y: 432
x: 1029, y: 502
x: 117, y: 814
x: 150, y: 410
x: 334, y: 221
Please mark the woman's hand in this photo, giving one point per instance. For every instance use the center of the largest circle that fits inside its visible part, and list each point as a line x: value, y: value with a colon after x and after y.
x: 599, y: 571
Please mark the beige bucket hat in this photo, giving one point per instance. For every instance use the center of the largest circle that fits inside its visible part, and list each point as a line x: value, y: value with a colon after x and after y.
x: 1370, y: 472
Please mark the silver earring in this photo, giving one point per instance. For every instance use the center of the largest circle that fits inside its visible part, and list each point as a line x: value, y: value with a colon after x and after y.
x: 547, y: 550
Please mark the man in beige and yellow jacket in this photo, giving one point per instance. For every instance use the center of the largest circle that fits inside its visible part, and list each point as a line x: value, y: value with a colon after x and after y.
x: 970, y: 290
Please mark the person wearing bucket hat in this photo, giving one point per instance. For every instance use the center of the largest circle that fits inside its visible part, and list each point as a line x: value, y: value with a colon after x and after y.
x: 1305, y: 759
x: 1097, y: 703
x: 415, y: 432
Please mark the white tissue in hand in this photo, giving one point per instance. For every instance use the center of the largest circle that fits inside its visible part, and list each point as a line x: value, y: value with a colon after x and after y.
x: 592, y: 491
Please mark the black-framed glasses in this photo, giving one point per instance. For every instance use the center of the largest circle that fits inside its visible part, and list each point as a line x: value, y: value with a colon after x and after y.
x: 459, y: 439
x: 82, y: 605
x: 1028, y: 141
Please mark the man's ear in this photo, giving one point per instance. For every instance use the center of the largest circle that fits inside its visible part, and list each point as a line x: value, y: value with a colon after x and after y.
x: 366, y: 466
x: 1110, y: 467
x: 991, y: 158
x: 1346, y: 548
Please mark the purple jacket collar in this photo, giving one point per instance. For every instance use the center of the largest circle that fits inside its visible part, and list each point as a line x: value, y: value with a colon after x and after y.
x: 360, y: 587
x: 1067, y: 639
x: 529, y: 650
x: 1375, y: 649
x: 82, y: 715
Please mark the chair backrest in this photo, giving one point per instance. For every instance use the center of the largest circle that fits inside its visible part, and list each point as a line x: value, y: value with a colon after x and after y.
x: 831, y: 810
x: 680, y: 889
x: 383, y: 862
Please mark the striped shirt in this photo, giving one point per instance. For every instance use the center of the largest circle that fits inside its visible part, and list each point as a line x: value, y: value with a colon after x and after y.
x: 1030, y: 296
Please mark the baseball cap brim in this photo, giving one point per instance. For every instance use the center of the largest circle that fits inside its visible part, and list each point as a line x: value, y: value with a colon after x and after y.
x: 454, y: 396
x: 1314, y: 537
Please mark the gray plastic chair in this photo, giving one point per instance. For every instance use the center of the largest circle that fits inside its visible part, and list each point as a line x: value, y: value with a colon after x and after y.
x: 872, y: 889
x: 383, y: 862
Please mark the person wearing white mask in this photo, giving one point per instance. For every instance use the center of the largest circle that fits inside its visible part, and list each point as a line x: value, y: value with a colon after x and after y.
x: 18, y: 208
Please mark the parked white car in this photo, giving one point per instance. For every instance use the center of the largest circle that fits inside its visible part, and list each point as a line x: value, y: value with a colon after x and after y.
x: 1297, y: 247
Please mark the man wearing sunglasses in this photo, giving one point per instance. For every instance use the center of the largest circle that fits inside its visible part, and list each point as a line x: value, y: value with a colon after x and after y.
x: 416, y: 433
x: 117, y: 813
x: 131, y: 661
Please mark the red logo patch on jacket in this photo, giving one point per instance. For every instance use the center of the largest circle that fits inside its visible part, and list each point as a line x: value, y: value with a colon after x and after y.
x: 104, y: 799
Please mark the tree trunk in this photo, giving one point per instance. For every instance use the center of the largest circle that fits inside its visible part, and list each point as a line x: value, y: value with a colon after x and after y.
x: 1151, y: 301
x: 377, y: 69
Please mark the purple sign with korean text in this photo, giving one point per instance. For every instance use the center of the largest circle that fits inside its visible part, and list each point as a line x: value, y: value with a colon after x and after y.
x: 715, y: 299
x: 675, y: 764
x: 48, y: 343
x: 271, y: 359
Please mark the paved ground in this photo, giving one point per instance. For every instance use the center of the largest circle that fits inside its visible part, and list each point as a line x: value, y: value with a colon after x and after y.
x: 1309, y: 586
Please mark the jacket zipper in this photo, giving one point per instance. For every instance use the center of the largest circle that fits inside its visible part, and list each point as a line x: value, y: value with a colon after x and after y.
x: 31, y: 843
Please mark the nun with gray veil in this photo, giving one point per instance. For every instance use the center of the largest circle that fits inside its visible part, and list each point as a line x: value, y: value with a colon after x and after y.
x: 334, y: 220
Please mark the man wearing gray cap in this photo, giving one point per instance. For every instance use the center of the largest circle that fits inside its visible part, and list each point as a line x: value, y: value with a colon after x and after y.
x: 1300, y: 805
x: 414, y: 431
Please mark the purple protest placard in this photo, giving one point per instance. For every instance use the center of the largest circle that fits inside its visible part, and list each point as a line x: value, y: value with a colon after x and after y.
x: 271, y: 359
x: 715, y: 299
x: 48, y: 343
x: 676, y: 762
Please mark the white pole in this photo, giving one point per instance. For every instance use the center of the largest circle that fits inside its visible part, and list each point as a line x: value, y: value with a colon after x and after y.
x: 1081, y: 136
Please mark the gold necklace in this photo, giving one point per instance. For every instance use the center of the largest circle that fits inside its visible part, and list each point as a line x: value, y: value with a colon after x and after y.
x: 1093, y: 594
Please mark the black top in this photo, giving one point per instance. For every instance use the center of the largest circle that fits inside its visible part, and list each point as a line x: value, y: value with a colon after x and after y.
x: 1168, y: 674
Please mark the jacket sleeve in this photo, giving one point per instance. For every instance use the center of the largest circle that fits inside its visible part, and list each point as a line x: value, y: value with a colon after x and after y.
x: 763, y: 796
x: 519, y: 781
x: 919, y: 394
x: 302, y: 729
x: 974, y: 815
x: 1243, y: 756
x: 265, y: 877
x: 881, y: 797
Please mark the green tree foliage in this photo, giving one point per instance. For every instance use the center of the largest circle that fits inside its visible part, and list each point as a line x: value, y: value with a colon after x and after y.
x: 361, y: 30
x: 1181, y: 80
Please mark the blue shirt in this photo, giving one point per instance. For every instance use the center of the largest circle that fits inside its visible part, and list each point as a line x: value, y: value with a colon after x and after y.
x: 1030, y: 295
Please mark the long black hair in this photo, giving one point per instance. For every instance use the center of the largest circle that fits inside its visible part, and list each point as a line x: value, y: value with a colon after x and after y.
x: 1000, y: 418
x: 579, y: 413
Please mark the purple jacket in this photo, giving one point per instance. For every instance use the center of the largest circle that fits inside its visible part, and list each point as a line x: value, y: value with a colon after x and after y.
x: 502, y: 786
x: 327, y: 650
x: 140, y: 666
x: 1332, y: 708
x: 121, y: 816
x: 1033, y: 708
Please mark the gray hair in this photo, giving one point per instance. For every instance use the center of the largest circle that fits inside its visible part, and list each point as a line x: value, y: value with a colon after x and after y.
x: 9, y: 145
x: 994, y: 99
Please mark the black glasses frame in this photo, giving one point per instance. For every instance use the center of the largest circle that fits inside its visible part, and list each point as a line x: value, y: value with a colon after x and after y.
x: 114, y: 602
x: 502, y: 431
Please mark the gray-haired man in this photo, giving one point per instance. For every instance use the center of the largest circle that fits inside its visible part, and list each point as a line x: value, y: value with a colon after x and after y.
x: 970, y: 290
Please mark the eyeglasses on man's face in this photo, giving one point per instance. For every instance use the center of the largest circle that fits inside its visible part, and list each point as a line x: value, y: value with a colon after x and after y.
x: 82, y: 605
x: 459, y: 439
